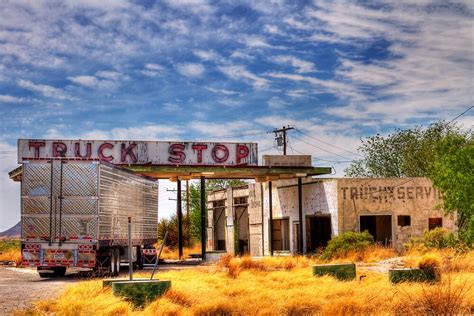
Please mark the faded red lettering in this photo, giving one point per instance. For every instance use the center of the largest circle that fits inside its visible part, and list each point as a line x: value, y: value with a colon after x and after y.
x: 59, y: 149
x: 101, y: 152
x: 242, y: 152
x: 222, y: 149
x: 77, y: 150
x: 36, y: 146
x: 199, y: 148
x: 176, y: 150
x: 128, y: 152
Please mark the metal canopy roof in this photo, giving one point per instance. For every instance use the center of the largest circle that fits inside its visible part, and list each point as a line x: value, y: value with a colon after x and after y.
x: 258, y: 173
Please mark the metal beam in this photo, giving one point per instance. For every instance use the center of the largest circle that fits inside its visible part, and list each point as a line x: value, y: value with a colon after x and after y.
x: 180, y: 219
x: 300, y: 214
x: 270, y: 209
x: 203, y: 218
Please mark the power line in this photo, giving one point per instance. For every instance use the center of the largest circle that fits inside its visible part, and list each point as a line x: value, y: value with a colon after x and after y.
x: 467, y: 110
x: 325, y: 150
x: 336, y: 161
x: 324, y: 142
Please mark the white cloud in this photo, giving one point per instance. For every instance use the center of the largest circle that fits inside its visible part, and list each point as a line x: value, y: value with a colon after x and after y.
x: 222, y: 91
x: 301, y: 66
x: 87, y: 81
x: 11, y: 99
x: 276, y: 103
x: 110, y: 74
x: 153, y: 70
x: 254, y: 41
x: 194, y: 6
x: 237, y: 72
x: 47, y: 91
x: 205, y: 54
x: 190, y: 69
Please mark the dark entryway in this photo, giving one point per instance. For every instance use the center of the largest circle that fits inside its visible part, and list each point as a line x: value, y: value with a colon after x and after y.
x: 281, y: 234
x: 219, y: 219
x: 379, y: 226
x: 318, y: 232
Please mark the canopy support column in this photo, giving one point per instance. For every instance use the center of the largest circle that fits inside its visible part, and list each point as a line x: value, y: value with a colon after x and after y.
x: 180, y: 219
x: 270, y: 210
x: 300, y: 214
x: 203, y: 218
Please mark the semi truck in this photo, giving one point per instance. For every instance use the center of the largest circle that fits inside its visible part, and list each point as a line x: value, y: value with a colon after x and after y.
x: 74, y: 214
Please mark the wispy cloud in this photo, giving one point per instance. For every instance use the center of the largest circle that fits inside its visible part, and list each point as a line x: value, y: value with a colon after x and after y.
x: 5, y: 98
x: 301, y: 66
x: 46, y: 90
x: 237, y: 72
x: 190, y: 69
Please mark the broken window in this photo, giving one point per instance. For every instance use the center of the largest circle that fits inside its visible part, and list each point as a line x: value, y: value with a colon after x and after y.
x: 404, y: 220
x: 435, y: 222
x: 240, y: 200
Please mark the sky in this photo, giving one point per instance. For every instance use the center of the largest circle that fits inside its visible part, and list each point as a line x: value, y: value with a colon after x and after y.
x: 338, y: 71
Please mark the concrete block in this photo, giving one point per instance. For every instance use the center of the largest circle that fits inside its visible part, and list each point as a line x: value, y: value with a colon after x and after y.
x: 214, y: 256
x: 341, y: 271
x: 412, y: 275
x: 140, y: 292
x: 108, y: 282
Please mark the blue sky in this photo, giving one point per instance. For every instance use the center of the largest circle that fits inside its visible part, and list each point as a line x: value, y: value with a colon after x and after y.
x: 196, y: 69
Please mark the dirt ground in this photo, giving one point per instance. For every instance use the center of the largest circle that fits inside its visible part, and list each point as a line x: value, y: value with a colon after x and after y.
x: 19, y: 288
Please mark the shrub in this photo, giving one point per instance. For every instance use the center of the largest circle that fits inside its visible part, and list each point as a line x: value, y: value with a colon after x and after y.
x: 438, y: 238
x: 347, y: 242
x: 430, y: 264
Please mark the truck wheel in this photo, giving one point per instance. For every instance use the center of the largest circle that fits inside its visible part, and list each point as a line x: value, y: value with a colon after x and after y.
x: 46, y: 275
x: 117, y: 261
x: 59, y: 271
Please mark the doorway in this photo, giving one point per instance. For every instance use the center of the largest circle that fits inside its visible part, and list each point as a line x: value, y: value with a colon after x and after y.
x: 379, y: 226
x: 318, y: 232
x: 219, y: 224
x: 281, y: 234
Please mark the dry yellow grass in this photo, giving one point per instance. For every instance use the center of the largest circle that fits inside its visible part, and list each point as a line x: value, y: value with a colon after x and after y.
x: 11, y: 255
x: 173, y: 253
x: 273, y: 286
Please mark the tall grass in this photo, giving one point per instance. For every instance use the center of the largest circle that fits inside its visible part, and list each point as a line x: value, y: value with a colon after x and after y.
x: 10, y: 251
x: 273, y: 286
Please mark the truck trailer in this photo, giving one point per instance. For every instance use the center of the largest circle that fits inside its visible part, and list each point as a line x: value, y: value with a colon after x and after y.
x: 74, y: 214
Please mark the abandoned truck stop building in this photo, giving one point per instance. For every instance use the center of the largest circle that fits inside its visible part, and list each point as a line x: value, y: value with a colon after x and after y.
x: 392, y: 210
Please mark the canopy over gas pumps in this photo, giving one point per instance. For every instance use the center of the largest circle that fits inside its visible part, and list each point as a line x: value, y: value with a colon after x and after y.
x: 177, y: 161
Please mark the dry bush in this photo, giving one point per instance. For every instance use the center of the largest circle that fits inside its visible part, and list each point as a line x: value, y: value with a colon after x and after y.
x: 224, y: 261
x: 12, y: 255
x: 449, y: 297
x: 374, y: 253
x: 173, y: 254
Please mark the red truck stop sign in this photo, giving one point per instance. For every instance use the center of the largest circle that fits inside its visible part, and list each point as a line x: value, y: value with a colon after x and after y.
x: 141, y: 152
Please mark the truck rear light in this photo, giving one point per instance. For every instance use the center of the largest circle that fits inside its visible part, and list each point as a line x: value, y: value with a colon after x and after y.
x: 33, y: 246
x: 85, y: 247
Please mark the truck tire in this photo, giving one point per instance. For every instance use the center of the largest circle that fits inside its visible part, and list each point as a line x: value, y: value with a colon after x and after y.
x: 46, y: 275
x: 59, y: 271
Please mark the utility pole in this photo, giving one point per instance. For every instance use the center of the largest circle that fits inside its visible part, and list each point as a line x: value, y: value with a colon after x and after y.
x: 280, y: 136
x: 187, y: 201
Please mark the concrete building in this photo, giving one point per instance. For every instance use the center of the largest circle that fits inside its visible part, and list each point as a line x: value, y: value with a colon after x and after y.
x: 393, y: 210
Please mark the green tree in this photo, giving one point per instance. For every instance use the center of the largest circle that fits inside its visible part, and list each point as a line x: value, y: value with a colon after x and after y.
x: 442, y: 152
x: 171, y: 225
x: 453, y: 173
x: 405, y: 153
x: 195, y: 201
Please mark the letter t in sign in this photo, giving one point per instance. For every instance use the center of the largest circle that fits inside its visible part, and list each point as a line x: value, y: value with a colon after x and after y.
x: 199, y: 148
